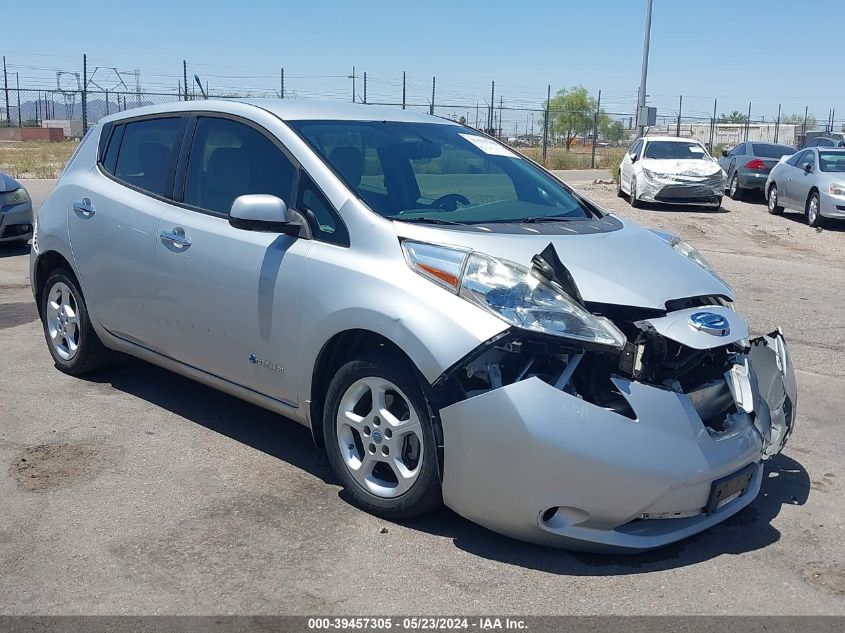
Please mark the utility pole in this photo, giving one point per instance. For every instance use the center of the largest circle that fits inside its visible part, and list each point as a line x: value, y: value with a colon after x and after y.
x: 476, y: 115
x: 6, y: 89
x: 500, y: 116
x: 546, y: 123
x: 595, y: 132
x: 431, y: 108
x: 777, y: 126
x: 804, y: 127
x: 403, y: 89
x: 492, y: 101
x: 680, y: 106
x: 185, y: 78
x: 282, y: 83
x: 84, y: 94
x: 353, y: 84
x: 644, y: 74
x: 365, y: 86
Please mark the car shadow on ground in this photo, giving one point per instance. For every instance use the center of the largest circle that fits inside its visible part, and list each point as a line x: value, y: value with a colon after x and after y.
x: 834, y: 226
x: 785, y: 482
x: 681, y: 208
x: 15, y: 249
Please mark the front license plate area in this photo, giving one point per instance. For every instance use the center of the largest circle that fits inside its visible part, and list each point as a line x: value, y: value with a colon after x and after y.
x: 728, y: 488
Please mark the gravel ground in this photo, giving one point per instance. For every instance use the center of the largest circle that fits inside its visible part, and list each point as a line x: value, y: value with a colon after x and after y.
x: 136, y: 491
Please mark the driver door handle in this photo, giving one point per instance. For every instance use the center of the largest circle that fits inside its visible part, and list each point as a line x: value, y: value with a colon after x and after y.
x: 83, y: 208
x: 175, y: 238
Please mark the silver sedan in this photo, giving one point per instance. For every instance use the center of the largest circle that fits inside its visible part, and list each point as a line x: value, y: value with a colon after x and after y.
x: 812, y: 181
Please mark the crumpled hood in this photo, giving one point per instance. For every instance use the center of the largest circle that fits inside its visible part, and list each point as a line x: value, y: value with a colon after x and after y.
x: 630, y: 266
x: 682, y: 167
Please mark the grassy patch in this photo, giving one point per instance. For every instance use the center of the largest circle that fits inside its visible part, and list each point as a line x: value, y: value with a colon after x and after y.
x: 35, y: 159
x: 580, y: 158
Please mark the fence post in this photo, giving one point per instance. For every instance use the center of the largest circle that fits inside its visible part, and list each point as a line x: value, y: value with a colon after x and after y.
x: 6, y: 89
x: 403, y: 89
x: 713, y: 125
x: 747, y: 121
x: 18, y: 85
x: 282, y: 84
x: 365, y: 86
x: 433, y: 82
x: 492, y: 101
x: 546, y: 123
x: 595, y: 132
x: 84, y: 94
x: 185, y: 78
x: 680, y: 107
x: 777, y: 126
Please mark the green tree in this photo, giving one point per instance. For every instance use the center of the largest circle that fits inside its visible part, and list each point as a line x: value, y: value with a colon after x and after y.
x: 571, y: 113
x: 734, y: 117
x: 798, y: 119
x: 613, y: 131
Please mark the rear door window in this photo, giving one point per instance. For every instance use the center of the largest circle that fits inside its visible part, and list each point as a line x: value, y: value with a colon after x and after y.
x: 147, y: 154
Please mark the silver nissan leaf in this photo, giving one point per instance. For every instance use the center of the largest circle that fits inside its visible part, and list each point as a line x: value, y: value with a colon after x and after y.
x: 454, y: 324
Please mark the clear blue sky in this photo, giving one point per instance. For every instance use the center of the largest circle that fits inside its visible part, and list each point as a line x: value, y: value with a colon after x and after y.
x: 735, y: 50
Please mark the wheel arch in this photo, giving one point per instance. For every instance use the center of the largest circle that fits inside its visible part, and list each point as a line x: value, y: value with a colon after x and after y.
x: 45, y: 264
x: 337, y: 351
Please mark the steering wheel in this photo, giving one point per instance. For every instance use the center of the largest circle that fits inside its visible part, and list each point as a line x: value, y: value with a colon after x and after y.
x: 450, y: 201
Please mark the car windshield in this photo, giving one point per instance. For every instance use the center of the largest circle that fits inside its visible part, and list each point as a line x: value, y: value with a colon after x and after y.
x: 832, y: 161
x: 674, y: 150
x: 770, y: 150
x: 439, y: 173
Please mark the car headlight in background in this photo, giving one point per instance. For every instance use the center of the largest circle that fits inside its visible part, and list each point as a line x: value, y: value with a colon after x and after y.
x: 837, y: 189
x: 18, y: 196
x: 511, y: 292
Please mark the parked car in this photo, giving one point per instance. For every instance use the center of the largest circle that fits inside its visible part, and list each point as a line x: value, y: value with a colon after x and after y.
x: 15, y: 211
x: 747, y: 166
x: 670, y: 170
x: 453, y: 323
x: 812, y: 181
x: 832, y: 140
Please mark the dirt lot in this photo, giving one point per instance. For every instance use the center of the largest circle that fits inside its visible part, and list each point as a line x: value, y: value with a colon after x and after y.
x: 137, y: 491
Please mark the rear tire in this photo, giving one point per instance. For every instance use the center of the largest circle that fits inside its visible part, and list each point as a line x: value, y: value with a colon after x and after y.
x: 74, y: 345
x: 772, y: 201
x: 619, y: 192
x: 734, y: 190
x: 385, y: 456
x: 813, y: 210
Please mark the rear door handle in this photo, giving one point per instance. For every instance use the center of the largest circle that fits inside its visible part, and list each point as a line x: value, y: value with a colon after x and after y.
x: 84, y: 208
x: 175, y: 238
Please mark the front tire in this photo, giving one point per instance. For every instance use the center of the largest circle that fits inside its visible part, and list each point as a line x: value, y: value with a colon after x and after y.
x: 619, y: 192
x: 773, y: 206
x: 635, y: 202
x: 813, y: 210
x: 74, y: 345
x: 380, y: 439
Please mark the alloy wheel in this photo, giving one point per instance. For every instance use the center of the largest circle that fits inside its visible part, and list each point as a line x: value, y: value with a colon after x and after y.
x: 813, y: 211
x: 734, y: 186
x: 380, y: 437
x: 773, y: 198
x: 63, y: 324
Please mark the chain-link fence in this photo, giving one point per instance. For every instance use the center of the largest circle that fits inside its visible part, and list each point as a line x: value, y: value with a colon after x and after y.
x: 559, y: 139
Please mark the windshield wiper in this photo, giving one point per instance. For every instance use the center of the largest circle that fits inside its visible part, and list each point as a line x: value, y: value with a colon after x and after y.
x: 546, y: 218
x: 429, y: 221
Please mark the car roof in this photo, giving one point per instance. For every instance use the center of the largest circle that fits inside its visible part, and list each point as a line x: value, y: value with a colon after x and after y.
x: 288, y: 110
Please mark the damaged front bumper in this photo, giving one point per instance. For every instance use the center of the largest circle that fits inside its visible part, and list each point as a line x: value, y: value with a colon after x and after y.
x: 533, y: 461
x: 681, y: 189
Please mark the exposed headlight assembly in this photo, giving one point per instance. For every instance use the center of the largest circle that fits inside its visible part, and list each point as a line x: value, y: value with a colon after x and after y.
x: 17, y: 196
x: 510, y: 291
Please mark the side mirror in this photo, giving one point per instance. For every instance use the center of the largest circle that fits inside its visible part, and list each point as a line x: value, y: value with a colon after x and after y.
x: 633, y: 158
x: 263, y: 212
x: 724, y: 152
x: 808, y: 168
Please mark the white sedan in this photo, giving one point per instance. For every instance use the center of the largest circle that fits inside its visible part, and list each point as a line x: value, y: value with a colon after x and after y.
x: 670, y: 170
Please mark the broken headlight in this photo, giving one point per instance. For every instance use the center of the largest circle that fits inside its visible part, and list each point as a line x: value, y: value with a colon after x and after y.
x: 511, y: 292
